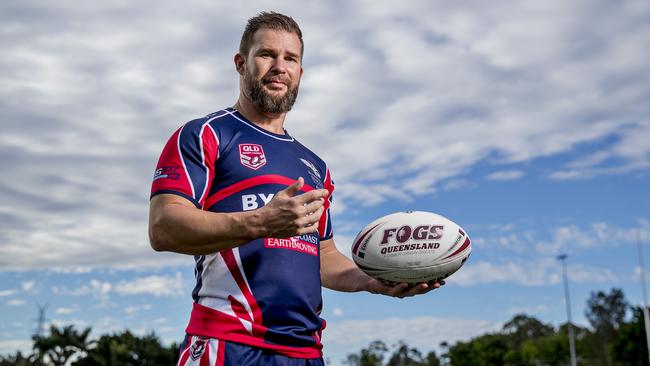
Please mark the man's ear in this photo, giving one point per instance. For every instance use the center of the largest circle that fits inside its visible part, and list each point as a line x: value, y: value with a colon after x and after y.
x: 240, y: 63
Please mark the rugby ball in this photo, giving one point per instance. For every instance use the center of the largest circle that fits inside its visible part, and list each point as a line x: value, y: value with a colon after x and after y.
x: 411, y: 247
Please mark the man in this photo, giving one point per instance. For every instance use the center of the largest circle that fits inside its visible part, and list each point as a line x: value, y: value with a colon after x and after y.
x: 251, y: 203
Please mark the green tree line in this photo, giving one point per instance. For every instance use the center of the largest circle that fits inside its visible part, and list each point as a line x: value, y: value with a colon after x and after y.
x: 616, y: 337
x: 68, y: 346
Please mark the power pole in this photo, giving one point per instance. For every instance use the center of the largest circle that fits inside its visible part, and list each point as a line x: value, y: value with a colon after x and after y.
x: 40, y: 328
x: 643, y: 291
x: 572, y: 346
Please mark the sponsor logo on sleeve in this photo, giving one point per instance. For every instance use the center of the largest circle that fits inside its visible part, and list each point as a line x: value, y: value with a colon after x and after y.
x: 169, y: 172
x: 252, y: 156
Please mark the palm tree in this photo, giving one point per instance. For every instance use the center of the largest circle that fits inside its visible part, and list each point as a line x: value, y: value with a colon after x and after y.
x: 61, y: 345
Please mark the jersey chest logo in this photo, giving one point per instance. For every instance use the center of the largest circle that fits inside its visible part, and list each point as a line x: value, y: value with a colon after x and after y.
x: 252, y: 156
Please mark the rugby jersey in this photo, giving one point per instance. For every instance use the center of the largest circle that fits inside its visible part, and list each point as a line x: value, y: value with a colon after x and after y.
x: 265, y: 293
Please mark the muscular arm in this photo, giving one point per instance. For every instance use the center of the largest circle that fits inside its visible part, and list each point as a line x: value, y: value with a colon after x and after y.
x: 339, y: 273
x: 176, y: 225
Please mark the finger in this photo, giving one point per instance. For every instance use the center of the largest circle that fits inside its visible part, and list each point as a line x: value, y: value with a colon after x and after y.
x: 423, y: 288
x: 312, y: 207
x: 310, y: 219
x: 399, y: 290
x: 436, y: 284
x: 295, y: 187
x: 313, y: 195
x: 308, y: 229
x: 417, y: 289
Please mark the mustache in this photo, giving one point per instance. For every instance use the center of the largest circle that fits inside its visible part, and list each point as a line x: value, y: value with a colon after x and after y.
x: 275, y: 78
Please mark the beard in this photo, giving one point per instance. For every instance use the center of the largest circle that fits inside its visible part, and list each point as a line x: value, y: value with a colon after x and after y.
x: 266, y: 102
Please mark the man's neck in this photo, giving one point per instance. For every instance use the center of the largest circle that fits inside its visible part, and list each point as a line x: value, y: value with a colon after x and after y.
x: 272, y: 122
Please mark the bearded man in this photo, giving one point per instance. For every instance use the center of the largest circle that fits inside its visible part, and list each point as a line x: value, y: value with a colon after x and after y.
x: 252, y: 205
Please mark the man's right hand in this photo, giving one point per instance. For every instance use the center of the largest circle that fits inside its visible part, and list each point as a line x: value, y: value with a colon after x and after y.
x: 288, y: 214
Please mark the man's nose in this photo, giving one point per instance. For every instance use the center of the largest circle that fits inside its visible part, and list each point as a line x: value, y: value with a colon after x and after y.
x: 279, y: 64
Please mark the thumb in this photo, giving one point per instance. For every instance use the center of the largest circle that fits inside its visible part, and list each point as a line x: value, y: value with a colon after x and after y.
x: 295, y: 187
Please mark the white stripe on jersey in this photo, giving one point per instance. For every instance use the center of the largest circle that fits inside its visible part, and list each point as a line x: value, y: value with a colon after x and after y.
x: 211, y: 345
x: 180, y: 154
x: 235, y: 252
x: 207, y: 176
x: 218, y: 283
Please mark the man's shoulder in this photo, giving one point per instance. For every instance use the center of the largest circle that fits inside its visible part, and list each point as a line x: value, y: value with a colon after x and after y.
x: 214, y: 119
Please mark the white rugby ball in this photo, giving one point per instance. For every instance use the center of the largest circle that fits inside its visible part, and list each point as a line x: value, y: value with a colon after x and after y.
x: 412, y: 247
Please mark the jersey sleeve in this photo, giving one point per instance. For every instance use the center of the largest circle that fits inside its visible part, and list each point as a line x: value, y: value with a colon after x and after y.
x: 187, y: 163
x: 325, y: 224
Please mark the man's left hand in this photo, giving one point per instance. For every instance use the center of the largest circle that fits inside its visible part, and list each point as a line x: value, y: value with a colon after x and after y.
x: 401, y: 290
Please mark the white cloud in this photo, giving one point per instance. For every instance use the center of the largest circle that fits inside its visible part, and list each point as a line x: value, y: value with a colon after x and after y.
x: 5, y: 293
x: 64, y: 310
x: 97, y: 288
x: 152, y: 285
x: 16, y: 302
x: 28, y: 285
x: 398, y: 98
x: 337, y: 312
x: 552, y: 240
x: 568, y: 237
x: 533, y: 310
x: 544, y: 272
x: 10, y: 346
x: 130, y: 310
x: 506, y: 175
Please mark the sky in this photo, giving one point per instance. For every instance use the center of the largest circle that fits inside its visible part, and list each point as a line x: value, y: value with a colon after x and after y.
x: 527, y: 123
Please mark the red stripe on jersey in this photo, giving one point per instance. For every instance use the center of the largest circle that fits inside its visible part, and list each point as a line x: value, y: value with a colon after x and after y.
x: 170, y: 171
x: 319, y: 335
x: 186, y: 353
x: 252, y: 182
x: 210, y: 154
x: 239, y: 309
x: 221, y: 354
x: 212, y: 323
x: 231, y: 262
x: 205, y: 357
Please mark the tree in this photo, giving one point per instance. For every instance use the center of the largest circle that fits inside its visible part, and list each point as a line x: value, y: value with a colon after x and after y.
x: 629, y: 345
x: 551, y: 350
x: 522, y: 328
x: 605, y: 312
x: 489, y: 349
x: 16, y: 360
x: 61, y: 345
x: 371, y: 356
x: 127, y: 349
x: 432, y: 359
x: 405, y: 356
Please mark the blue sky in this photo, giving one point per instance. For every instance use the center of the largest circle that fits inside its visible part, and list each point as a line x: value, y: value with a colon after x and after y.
x: 528, y: 124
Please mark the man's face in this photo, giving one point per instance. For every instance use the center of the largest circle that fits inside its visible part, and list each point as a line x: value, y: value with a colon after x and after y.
x: 272, y: 72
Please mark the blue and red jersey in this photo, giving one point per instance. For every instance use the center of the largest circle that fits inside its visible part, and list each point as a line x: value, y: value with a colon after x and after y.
x: 265, y: 293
